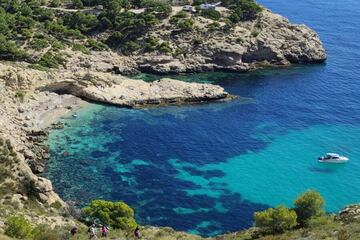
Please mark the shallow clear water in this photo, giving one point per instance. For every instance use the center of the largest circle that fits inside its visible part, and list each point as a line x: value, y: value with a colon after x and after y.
x: 206, y: 168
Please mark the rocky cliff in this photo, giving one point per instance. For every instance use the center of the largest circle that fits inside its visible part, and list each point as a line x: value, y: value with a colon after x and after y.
x: 269, y: 40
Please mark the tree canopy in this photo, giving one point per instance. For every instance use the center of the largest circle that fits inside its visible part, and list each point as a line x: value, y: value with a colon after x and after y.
x: 114, y: 214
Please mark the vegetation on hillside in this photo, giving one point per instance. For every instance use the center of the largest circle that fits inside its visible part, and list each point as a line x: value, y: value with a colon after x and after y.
x: 30, y: 30
x: 117, y: 215
x: 309, y: 208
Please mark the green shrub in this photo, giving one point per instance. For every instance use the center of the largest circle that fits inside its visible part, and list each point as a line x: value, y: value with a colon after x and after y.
x: 20, y: 95
x: 276, y: 220
x: 180, y: 15
x: 236, y: 15
x: 229, y: 25
x: 81, y: 21
x: 211, y: 14
x: 179, y: 51
x: 43, y: 232
x: 56, y: 205
x: 18, y: 227
x: 164, y: 47
x: 57, y: 45
x: 244, y: 9
x: 39, y: 43
x: 309, y: 205
x: 61, y: 32
x: 198, y: 2
x: 239, y: 40
x: 320, y: 221
x: 160, y: 8
x: 80, y: 48
x: 9, y: 50
x: 55, y: 3
x: 115, y: 38
x: 255, y: 33
x: 130, y: 47
x: 151, y: 44
x: 4, y: 173
x: 96, y: 46
x: 29, y: 189
x: 37, y: 66
x: 51, y: 60
x: 185, y: 24
x: 197, y: 41
x: 114, y: 214
x: 214, y: 26
x: 77, y: 4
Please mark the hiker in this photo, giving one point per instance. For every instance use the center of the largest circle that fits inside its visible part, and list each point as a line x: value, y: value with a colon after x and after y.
x: 73, y: 230
x: 104, y: 231
x: 137, y: 233
x: 92, y: 232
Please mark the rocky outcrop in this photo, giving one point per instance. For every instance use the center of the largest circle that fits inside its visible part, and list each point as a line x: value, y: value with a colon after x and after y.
x: 350, y: 213
x: 101, y: 61
x: 136, y: 93
x: 281, y: 42
x: 17, y: 77
x: 269, y: 40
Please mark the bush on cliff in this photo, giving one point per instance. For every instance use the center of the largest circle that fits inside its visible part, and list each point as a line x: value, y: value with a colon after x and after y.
x: 96, y: 46
x: 9, y: 50
x: 51, y: 60
x: 242, y: 10
x: 276, y: 220
x: 309, y: 205
x: 18, y: 227
x: 114, y: 214
x: 162, y: 9
x: 185, y: 24
x: 81, y: 21
x: 44, y: 232
x: 211, y: 14
x: 77, y: 4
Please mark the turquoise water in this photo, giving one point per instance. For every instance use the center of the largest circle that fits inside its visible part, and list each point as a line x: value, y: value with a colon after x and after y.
x: 206, y: 168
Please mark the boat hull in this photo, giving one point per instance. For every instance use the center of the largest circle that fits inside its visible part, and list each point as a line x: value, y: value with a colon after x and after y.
x: 333, y: 160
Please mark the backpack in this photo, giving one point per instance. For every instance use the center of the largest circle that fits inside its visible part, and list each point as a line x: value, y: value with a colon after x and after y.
x: 89, y: 230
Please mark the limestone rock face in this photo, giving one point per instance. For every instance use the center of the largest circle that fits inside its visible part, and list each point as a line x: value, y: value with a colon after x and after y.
x: 279, y: 41
x: 126, y: 92
x: 20, y: 78
x: 101, y: 61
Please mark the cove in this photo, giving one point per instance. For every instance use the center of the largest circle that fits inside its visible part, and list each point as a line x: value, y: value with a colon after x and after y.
x: 206, y: 168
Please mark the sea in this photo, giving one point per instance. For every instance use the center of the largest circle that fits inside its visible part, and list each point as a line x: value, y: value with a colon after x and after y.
x: 207, y: 168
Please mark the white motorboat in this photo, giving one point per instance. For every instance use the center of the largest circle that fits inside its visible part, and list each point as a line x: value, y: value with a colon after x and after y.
x: 333, y: 158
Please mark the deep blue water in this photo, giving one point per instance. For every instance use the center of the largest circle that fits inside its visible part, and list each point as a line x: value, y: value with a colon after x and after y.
x: 206, y: 168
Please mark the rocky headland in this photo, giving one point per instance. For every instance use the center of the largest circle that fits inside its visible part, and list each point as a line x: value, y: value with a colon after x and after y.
x: 268, y: 41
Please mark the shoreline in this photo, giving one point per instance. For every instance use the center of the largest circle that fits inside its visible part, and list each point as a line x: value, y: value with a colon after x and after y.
x: 47, y: 113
